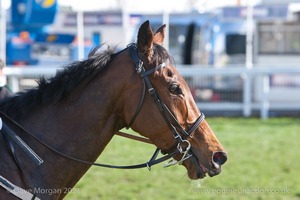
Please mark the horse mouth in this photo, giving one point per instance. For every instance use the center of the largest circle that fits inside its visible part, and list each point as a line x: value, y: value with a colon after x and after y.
x: 200, y: 170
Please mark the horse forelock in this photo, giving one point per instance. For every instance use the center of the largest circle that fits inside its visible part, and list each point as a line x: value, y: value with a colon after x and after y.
x: 160, y: 55
x: 59, y: 86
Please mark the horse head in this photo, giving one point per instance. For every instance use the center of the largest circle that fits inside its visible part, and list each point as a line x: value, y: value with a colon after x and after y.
x: 87, y: 102
x: 169, y: 116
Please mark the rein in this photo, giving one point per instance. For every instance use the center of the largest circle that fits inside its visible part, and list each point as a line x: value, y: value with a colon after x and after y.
x: 151, y: 162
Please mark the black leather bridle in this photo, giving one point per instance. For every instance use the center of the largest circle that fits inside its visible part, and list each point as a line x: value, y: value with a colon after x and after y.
x: 168, y: 116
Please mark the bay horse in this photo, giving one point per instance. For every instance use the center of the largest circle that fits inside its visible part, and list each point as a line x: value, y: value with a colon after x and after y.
x: 79, y: 110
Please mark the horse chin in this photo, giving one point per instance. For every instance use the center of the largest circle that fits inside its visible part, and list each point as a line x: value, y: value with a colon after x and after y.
x: 195, y: 169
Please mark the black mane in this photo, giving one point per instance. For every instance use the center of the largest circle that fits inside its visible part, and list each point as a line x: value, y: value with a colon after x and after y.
x: 58, y: 87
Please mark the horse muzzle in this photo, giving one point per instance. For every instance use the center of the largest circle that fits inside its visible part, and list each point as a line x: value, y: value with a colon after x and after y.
x: 197, y: 169
x: 218, y: 159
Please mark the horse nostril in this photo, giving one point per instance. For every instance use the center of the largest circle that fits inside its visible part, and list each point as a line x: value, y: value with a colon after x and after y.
x: 219, y: 157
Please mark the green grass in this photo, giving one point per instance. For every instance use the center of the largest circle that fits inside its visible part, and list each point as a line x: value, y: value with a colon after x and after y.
x: 264, y: 163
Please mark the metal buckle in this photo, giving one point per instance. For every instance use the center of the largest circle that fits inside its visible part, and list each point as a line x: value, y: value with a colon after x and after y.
x: 139, y: 67
x: 151, y: 91
x: 186, y: 155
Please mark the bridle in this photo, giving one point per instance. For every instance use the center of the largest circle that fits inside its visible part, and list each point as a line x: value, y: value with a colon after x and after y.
x: 173, y: 124
x: 168, y: 116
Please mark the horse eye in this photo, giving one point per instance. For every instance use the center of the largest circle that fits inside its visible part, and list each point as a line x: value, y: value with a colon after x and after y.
x: 175, y: 89
x: 170, y: 73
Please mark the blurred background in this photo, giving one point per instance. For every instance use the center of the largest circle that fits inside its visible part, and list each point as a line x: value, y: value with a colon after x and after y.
x: 241, y: 59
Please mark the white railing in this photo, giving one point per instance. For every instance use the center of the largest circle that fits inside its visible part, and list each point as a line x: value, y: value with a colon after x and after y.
x: 257, y: 92
x: 232, y: 88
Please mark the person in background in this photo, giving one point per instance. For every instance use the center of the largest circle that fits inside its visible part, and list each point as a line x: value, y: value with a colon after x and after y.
x: 4, y: 90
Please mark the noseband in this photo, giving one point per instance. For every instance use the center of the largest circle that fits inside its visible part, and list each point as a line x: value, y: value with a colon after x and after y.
x: 163, y: 108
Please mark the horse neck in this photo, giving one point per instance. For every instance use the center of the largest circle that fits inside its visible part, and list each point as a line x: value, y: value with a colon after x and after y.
x: 80, y: 128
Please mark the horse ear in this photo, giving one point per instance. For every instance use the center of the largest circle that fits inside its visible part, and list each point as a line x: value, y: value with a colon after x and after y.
x: 145, y: 39
x: 159, y: 35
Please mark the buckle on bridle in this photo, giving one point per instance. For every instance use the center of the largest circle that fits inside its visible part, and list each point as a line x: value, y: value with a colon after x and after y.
x: 151, y: 91
x: 139, y: 67
x: 186, y: 155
